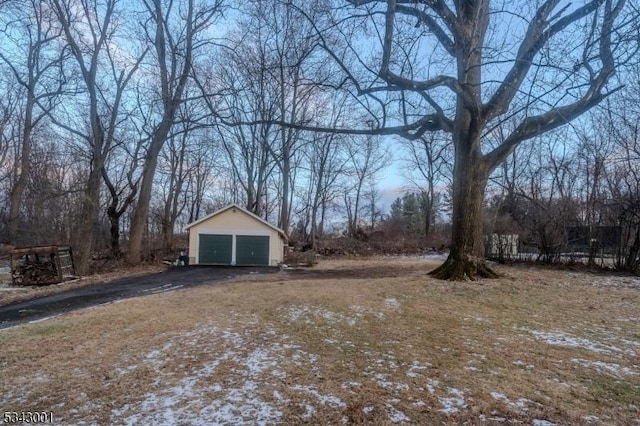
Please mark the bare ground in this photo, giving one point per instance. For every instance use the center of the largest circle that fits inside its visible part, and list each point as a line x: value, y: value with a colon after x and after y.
x: 351, y: 341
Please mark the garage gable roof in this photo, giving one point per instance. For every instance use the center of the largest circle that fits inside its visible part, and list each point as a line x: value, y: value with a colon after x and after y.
x: 247, y: 212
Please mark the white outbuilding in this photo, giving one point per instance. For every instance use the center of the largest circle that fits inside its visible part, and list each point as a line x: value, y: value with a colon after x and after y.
x: 235, y: 236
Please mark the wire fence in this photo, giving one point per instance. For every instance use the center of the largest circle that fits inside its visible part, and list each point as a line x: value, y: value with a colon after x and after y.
x: 508, y: 248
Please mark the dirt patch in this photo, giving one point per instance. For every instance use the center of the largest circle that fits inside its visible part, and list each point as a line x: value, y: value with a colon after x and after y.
x: 391, y: 347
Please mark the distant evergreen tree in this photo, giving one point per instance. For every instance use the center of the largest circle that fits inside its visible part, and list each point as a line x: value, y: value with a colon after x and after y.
x: 414, y: 214
x: 396, y: 210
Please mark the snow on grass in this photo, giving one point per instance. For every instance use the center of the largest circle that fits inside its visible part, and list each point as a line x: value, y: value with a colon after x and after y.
x: 606, y: 367
x: 519, y: 363
x: 559, y: 338
x: 330, y: 400
x: 432, y: 384
x: 310, y: 314
x: 520, y: 405
x: 478, y: 318
x: 435, y: 256
x: 621, y: 282
x: 385, y: 384
x: 453, y: 403
x: 241, y: 399
x: 309, y: 411
x: 395, y: 415
x: 235, y: 386
x: 181, y: 403
x: 349, y: 385
x: 368, y: 409
x: 392, y: 303
x: 539, y: 422
x: 416, y: 368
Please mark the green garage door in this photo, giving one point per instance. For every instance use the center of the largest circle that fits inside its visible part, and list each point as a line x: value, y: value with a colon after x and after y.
x: 252, y: 250
x: 215, y: 249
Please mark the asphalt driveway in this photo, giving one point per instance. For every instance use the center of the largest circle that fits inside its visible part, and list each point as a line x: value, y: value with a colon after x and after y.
x: 171, y: 279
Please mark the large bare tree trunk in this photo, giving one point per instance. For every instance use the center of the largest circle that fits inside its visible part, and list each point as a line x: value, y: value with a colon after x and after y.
x: 459, y: 28
x: 174, y: 67
x: 139, y: 222
x: 466, y: 259
x: 86, y: 229
x: 114, y: 233
x: 115, y: 210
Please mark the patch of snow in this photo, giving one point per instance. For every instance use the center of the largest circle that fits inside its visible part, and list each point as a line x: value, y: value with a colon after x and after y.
x: 520, y: 405
x: 625, y: 282
x: 395, y: 415
x: 415, y: 367
x: 519, y: 363
x: 368, y: 409
x: 309, y: 412
x: 591, y: 419
x: 630, y: 342
x: 241, y: 400
x: 539, y: 422
x: 434, y: 256
x: 432, y: 384
x: 126, y: 370
x: 259, y: 360
x: 606, y: 367
x: 330, y: 400
x: 454, y: 403
x: 478, y: 318
x: 566, y: 340
x: 383, y: 383
x: 308, y: 315
x: 392, y: 303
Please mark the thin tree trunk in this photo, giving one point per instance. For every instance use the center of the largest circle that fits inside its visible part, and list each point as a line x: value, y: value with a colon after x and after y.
x: 633, y: 261
x: 17, y: 192
x: 114, y: 232
x: 284, y: 206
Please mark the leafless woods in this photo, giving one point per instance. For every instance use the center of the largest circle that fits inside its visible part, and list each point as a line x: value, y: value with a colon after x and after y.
x: 121, y: 122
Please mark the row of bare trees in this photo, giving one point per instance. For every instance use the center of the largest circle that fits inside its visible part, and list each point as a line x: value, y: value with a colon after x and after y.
x: 103, y: 81
x: 578, y: 190
x: 143, y: 117
x: 127, y: 120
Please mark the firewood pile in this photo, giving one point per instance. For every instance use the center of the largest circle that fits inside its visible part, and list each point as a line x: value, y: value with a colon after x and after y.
x: 41, y: 273
x: 41, y: 265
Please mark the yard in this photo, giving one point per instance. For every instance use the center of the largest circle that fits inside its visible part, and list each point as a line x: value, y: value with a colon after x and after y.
x: 350, y: 341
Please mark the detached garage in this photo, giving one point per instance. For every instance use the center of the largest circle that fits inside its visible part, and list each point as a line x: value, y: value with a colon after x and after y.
x: 235, y: 236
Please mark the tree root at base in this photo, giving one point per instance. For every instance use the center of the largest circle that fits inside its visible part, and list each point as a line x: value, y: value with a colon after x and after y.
x: 463, y: 270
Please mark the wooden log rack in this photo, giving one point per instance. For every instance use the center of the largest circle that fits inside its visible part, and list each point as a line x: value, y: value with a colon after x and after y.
x: 41, y: 265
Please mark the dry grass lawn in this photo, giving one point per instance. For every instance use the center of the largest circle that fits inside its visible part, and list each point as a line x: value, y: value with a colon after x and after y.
x: 352, y: 341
